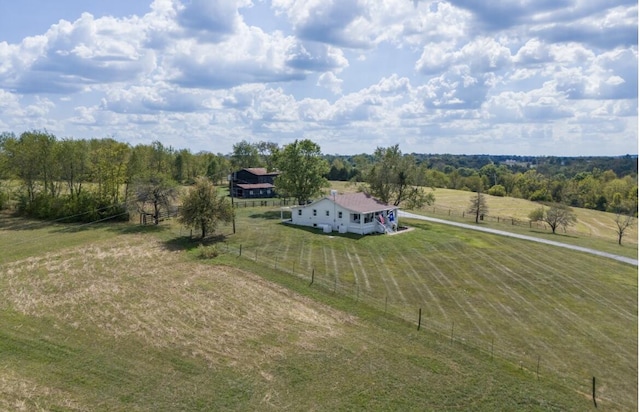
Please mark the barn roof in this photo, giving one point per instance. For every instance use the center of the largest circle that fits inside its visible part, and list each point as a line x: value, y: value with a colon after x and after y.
x: 260, y: 171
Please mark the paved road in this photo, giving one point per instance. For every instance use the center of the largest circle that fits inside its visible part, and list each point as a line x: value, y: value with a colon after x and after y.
x: 619, y: 258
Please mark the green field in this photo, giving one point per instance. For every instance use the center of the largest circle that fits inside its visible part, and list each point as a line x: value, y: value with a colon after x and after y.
x: 127, y: 318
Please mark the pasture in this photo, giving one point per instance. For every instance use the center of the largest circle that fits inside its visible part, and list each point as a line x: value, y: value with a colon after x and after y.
x: 570, y: 314
x: 593, y: 229
x: 127, y: 318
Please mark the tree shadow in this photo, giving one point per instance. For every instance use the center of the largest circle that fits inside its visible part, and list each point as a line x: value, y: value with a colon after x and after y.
x: 187, y: 243
x: 551, y: 235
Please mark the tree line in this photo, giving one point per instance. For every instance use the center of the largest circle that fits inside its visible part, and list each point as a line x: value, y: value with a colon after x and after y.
x: 598, y: 188
x: 89, y: 179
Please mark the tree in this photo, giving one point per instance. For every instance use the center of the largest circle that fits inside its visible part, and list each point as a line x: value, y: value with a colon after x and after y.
x: 157, y: 192
x: 30, y: 158
x: 623, y: 222
x: 245, y: 155
x: 73, y: 158
x: 108, y: 167
x: 301, y: 169
x: 394, y: 178
x: 557, y: 215
x: 478, y: 205
x: 203, y: 208
x: 266, y: 151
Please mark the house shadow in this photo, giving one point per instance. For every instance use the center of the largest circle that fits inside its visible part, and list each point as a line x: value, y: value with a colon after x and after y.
x: 318, y: 231
x: 268, y: 215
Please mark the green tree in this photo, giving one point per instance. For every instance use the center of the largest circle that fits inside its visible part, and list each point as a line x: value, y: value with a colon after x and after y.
x: 108, y: 166
x: 30, y: 158
x: 497, y: 190
x: 203, y: 208
x: 266, y: 151
x: 217, y: 167
x: 245, y: 155
x: 302, y: 171
x: 394, y: 178
x: 73, y: 158
x: 478, y: 205
x: 556, y: 215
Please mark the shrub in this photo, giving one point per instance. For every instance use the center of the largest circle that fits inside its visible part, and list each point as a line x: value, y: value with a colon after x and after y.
x: 207, y: 252
x: 497, y: 190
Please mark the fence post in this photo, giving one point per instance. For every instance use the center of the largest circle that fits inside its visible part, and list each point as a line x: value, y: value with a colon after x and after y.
x: 419, y: 317
x: 240, y: 253
x: 593, y: 391
x: 313, y: 272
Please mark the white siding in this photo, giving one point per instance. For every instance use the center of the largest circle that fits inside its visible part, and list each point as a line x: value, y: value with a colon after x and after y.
x: 327, y: 213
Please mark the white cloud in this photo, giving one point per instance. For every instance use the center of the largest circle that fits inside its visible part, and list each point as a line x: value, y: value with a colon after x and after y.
x: 331, y: 82
x: 351, y: 74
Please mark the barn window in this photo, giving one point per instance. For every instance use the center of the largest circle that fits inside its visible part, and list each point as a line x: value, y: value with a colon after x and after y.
x: 315, y: 212
x: 339, y: 215
x: 326, y: 212
x: 299, y: 212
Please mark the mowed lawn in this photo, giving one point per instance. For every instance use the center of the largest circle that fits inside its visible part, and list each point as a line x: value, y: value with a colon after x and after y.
x: 551, y: 310
x: 594, y: 229
x: 113, y: 318
x: 133, y: 321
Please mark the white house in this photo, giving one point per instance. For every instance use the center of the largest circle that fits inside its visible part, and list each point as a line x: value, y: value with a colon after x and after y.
x: 353, y: 212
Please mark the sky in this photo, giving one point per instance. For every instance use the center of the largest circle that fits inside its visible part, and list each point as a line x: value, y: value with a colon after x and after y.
x: 504, y: 77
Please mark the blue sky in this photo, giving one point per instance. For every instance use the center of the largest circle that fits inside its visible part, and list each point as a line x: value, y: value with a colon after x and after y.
x: 520, y: 77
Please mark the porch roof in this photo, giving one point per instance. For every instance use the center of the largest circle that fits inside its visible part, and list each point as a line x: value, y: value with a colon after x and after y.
x: 249, y: 186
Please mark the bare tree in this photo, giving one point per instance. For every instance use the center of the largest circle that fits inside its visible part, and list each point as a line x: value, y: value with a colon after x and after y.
x: 478, y: 205
x: 557, y: 215
x: 623, y: 222
x: 158, y: 192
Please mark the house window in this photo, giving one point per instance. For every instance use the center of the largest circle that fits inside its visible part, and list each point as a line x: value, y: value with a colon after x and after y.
x: 315, y: 212
x: 339, y: 215
x: 355, y: 217
x: 299, y: 212
x: 326, y: 212
x: 250, y: 192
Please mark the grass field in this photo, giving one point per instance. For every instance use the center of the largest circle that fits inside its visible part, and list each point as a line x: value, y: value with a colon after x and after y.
x: 122, y: 318
x: 593, y: 228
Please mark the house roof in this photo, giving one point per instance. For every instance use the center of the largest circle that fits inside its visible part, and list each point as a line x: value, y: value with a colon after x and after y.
x: 259, y: 171
x: 361, y: 202
x: 247, y: 186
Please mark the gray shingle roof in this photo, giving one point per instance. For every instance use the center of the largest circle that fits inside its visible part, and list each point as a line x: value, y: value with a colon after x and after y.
x: 361, y: 202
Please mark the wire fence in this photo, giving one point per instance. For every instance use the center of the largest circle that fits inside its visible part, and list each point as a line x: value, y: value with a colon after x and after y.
x: 536, y: 365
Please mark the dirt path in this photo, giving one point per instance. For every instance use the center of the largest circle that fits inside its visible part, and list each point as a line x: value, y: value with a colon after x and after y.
x: 619, y: 258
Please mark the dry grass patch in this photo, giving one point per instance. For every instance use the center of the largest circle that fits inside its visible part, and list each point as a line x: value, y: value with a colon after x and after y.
x: 18, y: 393
x: 138, y: 289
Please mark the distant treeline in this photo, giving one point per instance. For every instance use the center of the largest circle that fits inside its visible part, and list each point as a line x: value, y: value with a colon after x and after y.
x: 601, y: 183
x: 567, y: 166
x: 46, y: 177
